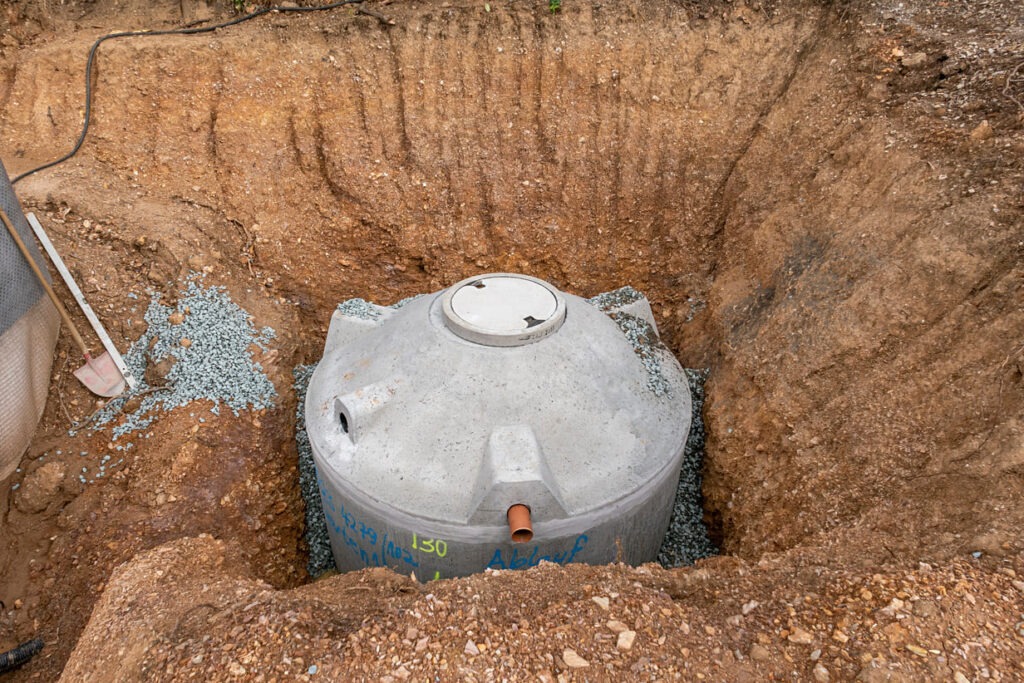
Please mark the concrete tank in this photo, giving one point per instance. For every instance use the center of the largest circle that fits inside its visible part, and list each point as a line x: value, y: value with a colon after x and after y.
x: 496, y: 424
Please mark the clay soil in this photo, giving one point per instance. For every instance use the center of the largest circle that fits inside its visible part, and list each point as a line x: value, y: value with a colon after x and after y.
x: 823, y: 202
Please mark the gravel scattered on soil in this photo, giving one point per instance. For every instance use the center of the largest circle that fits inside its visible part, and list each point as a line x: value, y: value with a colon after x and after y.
x: 206, y: 341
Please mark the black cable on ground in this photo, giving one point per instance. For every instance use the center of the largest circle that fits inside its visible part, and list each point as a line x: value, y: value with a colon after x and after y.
x: 165, y: 32
x: 12, y: 659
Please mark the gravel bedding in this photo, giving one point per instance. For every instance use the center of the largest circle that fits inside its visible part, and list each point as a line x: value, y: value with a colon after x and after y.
x: 640, y: 334
x: 210, y: 350
x: 319, y: 543
x: 686, y: 540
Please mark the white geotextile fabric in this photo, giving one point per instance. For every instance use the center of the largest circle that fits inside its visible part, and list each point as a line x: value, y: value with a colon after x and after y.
x: 26, y: 352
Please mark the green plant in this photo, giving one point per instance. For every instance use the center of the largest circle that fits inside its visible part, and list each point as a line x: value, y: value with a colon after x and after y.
x: 239, y: 5
x: 555, y: 6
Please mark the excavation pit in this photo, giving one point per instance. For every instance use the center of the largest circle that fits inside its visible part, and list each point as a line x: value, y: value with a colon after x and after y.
x: 778, y: 180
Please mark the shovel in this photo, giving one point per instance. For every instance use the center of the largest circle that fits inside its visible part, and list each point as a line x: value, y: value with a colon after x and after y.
x: 100, y: 375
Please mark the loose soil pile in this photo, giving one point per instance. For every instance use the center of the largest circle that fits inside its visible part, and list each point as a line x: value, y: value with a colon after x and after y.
x: 822, y: 201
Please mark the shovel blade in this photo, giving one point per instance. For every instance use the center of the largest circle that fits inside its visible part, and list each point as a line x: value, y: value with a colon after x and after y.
x: 101, y: 376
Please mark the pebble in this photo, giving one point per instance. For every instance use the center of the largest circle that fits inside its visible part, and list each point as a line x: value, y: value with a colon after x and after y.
x: 573, y: 660
x: 916, y: 60
x: 40, y: 487
x: 983, y: 131
x: 1019, y: 585
x: 749, y: 607
x: 471, y: 649
x: 800, y: 637
x: 601, y: 602
x: 960, y: 678
x: 616, y: 626
x: 820, y: 674
x: 925, y: 608
x: 759, y: 653
x: 625, y: 642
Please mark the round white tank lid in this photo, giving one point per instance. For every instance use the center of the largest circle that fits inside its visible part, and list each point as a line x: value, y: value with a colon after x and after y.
x: 503, y: 309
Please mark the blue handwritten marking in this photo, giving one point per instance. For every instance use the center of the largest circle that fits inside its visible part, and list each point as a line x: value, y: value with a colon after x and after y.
x: 355, y: 534
x: 515, y: 561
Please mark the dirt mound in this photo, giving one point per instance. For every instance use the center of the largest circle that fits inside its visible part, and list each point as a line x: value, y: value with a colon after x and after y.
x: 726, y: 620
x: 822, y: 203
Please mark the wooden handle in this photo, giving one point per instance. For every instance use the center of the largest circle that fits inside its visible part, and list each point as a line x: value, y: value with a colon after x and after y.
x: 46, y: 285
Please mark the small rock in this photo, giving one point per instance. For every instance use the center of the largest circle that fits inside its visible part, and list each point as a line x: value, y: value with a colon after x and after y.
x: 749, y: 607
x: 925, y: 608
x: 185, y: 342
x: 156, y: 372
x: 890, y: 610
x: 412, y: 633
x: 573, y: 660
x: 820, y: 674
x: 816, y: 655
x: 421, y: 644
x: 839, y: 636
x: 471, y: 649
x: 176, y: 318
x: 236, y: 669
x: 759, y: 653
x: 916, y: 60
x: 917, y: 650
x: 625, y: 642
x: 616, y: 626
x: 951, y: 67
x: 40, y: 487
x: 601, y: 602
x: 1019, y: 585
x: 800, y: 637
x: 161, y: 498
x: 983, y: 131
x: 132, y: 404
x: 960, y: 678
x: 402, y: 673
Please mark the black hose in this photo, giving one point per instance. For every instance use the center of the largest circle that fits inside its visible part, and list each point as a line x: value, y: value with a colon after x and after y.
x: 12, y: 659
x: 167, y: 32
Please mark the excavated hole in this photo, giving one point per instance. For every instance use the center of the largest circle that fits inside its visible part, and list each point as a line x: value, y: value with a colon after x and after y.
x: 716, y: 161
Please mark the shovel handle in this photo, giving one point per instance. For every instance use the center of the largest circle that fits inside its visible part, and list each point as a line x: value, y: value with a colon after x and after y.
x: 46, y: 285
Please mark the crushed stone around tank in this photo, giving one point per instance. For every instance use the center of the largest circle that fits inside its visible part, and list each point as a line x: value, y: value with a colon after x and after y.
x: 640, y: 334
x: 686, y: 540
x: 647, y: 345
x: 403, y: 302
x: 359, y: 308
x: 319, y: 543
x: 207, y: 337
x: 615, y: 299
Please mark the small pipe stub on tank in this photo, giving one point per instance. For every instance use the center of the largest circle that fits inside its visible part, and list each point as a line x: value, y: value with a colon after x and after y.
x: 519, y: 524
